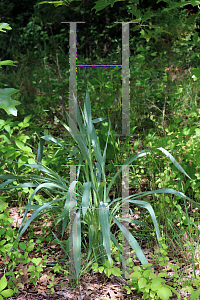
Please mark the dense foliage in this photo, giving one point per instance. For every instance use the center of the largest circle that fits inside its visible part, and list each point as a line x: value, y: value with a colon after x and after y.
x: 37, y: 155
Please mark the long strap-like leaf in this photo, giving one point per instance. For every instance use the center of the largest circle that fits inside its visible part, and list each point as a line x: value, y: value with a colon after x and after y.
x: 105, y: 227
x: 77, y: 242
x: 132, y: 241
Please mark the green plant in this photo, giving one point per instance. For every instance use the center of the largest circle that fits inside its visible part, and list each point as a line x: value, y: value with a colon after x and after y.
x: 36, y: 268
x: 194, y: 293
x: 108, y: 268
x: 6, y: 102
x: 96, y: 212
x: 13, y: 260
x: 7, y: 237
x: 143, y: 279
x: 50, y: 285
x: 12, y: 132
x: 33, y: 267
x: 153, y: 286
x: 3, y: 284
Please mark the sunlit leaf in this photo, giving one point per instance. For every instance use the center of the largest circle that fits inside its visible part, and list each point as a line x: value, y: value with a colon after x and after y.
x: 7, y: 103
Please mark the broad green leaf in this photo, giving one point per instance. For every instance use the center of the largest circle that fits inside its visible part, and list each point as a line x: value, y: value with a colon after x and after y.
x: 195, y: 295
x: 3, y: 283
x: 142, y: 283
x: 2, y: 231
x: 22, y: 246
x: 116, y: 271
x: 56, y: 3
x: 135, y: 275
x: 7, y: 293
x: 108, y: 272
x: 164, y: 293
x: 36, y: 261
x: 6, y: 139
x: 156, y: 284
x: 7, y: 103
x: 108, y: 264
x: 4, y: 27
x: 181, y: 4
x: 99, y: 5
x: 21, y: 146
x: 197, y: 131
x: 7, y: 128
x: 8, y: 63
x: 27, y: 119
x: 147, y: 273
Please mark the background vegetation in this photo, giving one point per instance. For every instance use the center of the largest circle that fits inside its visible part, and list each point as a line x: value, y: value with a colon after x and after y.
x: 164, y: 112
